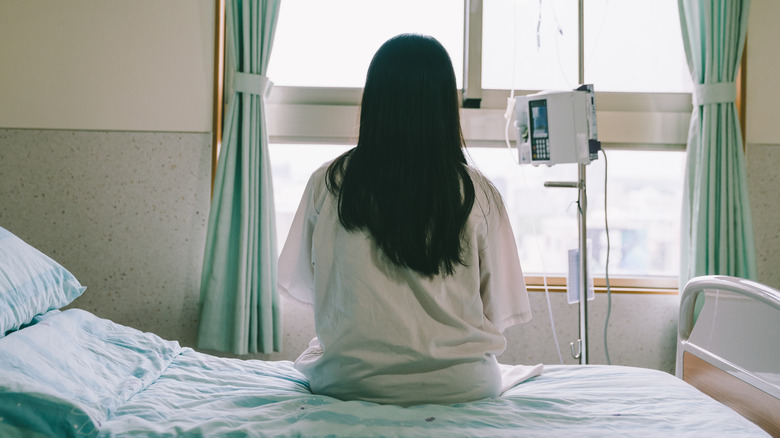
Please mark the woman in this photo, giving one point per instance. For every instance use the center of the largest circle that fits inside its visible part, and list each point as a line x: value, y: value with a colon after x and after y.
x: 405, y: 252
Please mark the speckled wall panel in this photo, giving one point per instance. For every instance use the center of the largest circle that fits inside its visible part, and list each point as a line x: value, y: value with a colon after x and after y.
x: 763, y: 164
x: 126, y: 212
x: 642, y: 331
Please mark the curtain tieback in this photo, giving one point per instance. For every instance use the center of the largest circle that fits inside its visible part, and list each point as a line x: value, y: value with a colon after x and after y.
x: 718, y: 92
x: 252, y: 83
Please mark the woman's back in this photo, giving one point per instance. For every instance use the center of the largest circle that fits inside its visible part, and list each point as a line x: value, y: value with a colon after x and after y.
x: 390, y: 335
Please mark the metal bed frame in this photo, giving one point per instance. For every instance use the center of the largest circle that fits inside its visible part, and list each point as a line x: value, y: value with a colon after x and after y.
x: 744, y: 390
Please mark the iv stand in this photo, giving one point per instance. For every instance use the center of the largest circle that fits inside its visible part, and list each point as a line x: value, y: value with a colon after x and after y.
x: 582, y: 203
x: 579, y: 348
x: 581, y: 213
x: 581, y: 344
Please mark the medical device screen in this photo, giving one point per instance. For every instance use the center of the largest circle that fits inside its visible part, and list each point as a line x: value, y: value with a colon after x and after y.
x: 539, y: 139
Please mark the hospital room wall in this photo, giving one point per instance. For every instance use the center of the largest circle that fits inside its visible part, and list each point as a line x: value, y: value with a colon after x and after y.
x: 762, y: 135
x: 105, y: 148
x: 105, y: 165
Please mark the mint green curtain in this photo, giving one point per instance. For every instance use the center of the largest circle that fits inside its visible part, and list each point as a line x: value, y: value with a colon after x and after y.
x: 717, y: 229
x: 239, y: 303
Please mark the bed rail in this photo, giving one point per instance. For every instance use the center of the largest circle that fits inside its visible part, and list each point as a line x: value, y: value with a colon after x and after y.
x: 740, y: 286
x: 746, y: 391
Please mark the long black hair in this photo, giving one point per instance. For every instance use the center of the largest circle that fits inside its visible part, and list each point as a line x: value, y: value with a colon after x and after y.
x: 406, y: 182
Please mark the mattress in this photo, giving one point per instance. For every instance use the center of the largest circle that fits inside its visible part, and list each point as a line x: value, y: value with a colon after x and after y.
x: 74, y: 374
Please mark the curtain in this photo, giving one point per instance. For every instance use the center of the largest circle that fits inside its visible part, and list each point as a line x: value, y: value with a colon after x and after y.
x: 717, y: 228
x: 239, y: 304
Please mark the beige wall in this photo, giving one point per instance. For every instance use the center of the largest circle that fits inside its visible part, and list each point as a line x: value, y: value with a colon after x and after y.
x: 138, y: 65
x: 763, y: 67
x: 762, y: 135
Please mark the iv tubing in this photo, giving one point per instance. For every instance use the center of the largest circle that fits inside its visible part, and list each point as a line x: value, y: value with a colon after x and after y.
x: 508, y: 116
x: 606, y: 266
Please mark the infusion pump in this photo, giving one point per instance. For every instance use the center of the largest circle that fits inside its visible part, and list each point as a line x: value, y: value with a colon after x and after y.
x: 555, y: 127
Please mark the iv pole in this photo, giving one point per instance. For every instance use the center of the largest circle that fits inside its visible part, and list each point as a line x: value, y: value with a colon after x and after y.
x: 581, y: 344
x: 579, y: 348
x: 582, y: 202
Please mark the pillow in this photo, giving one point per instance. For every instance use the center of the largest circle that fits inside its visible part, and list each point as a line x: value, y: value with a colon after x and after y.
x: 31, y: 283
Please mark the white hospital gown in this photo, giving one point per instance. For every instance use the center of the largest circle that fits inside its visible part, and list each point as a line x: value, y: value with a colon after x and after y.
x: 388, y: 335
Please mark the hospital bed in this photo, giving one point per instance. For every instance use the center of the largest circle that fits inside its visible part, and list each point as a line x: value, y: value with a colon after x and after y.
x: 70, y: 373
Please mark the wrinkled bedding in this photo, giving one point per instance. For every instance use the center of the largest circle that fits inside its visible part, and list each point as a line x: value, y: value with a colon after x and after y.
x: 74, y: 374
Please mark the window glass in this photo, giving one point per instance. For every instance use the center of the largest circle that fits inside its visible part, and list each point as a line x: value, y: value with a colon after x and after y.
x: 331, y: 43
x: 644, y: 211
x: 291, y: 166
x: 528, y: 44
x: 635, y: 45
x: 644, y: 201
x: 630, y: 45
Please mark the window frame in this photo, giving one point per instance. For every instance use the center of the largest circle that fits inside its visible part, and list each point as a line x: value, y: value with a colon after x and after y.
x: 628, y: 121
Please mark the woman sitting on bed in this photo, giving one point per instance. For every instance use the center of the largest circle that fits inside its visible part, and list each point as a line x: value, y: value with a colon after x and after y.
x: 405, y: 252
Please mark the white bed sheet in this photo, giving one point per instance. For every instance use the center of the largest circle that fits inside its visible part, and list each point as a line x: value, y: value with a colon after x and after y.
x: 204, y: 395
x: 180, y: 392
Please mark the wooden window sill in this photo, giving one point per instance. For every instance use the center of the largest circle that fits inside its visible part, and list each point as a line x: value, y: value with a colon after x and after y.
x: 623, y: 285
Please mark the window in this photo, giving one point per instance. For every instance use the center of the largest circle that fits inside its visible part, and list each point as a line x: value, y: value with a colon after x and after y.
x: 633, y: 55
x: 292, y: 164
x: 341, y: 37
x: 537, y: 41
x: 645, y: 37
x: 643, y: 216
x: 629, y: 45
